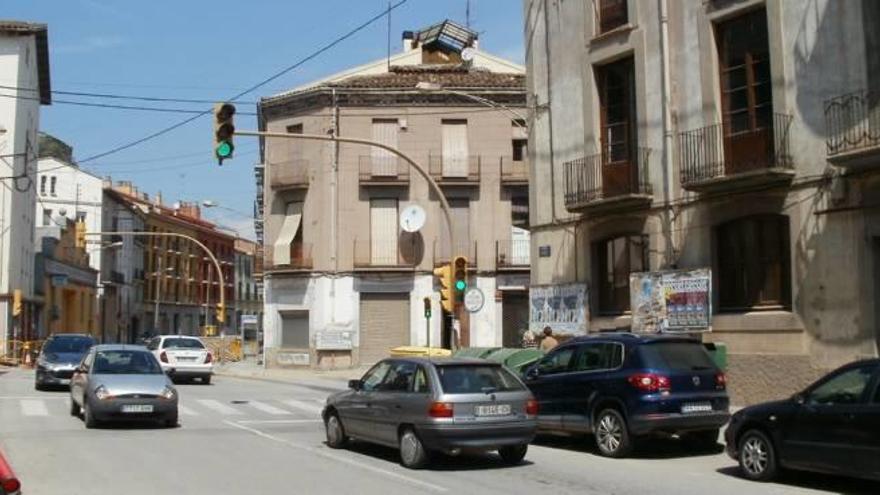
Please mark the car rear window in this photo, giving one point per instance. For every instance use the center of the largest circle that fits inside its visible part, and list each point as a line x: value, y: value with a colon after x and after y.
x: 476, y: 379
x: 675, y: 356
x: 182, y: 344
x: 69, y: 344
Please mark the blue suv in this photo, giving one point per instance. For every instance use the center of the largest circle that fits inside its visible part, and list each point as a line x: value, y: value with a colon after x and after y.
x: 622, y: 386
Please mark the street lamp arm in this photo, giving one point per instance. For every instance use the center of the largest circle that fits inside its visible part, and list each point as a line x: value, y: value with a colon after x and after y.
x: 420, y: 169
x: 182, y: 236
x: 519, y: 119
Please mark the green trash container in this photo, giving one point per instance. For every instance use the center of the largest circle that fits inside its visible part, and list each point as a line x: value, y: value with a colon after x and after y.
x: 515, y: 359
x: 475, y: 352
x: 718, y: 351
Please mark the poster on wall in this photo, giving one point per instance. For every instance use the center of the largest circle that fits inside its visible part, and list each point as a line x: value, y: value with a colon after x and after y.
x: 676, y: 301
x: 561, y: 307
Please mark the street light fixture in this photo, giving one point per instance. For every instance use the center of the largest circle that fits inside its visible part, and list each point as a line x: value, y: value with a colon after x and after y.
x: 428, y: 86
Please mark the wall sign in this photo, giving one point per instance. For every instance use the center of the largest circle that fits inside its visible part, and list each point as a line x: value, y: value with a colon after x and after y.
x: 676, y: 301
x: 474, y: 300
x: 561, y: 307
x: 544, y: 251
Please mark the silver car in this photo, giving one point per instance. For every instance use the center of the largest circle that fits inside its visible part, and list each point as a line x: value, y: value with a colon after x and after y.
x: 422, y: 406
x: 122, y: 382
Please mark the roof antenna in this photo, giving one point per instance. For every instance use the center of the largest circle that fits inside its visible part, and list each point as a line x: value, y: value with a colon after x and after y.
x: 389, y: 37
x: 467, y: 14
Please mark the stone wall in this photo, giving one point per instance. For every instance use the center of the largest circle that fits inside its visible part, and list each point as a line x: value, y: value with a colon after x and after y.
x: 753, y: 378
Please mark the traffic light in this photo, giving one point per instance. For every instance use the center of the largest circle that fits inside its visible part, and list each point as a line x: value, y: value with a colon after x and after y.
x: 221, y: 313
x: 17, y: 301
x: 427, y: 303
x: 224, y: 128
x: 444, y: 276
x: 459, y: 276
x: 80, y: 231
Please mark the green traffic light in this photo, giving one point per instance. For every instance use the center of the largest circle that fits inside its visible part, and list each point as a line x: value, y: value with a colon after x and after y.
x: 224, y: 149
x: 460, y: 285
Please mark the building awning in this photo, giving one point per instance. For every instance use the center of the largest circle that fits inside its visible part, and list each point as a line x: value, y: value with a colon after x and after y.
x: 292, y: 220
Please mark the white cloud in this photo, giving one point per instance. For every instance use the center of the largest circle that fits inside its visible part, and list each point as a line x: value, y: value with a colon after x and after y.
x: 90, y: 44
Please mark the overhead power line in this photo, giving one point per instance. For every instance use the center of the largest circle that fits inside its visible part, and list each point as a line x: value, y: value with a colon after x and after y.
x: 121, y: 97
x: 118, y: 107
x: 256, y: 86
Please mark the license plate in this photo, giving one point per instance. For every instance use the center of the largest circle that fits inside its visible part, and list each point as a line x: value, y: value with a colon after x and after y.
x: 696, y: 408
x: 493, y: 410
x: 137, y: 408
x: 186, y: 358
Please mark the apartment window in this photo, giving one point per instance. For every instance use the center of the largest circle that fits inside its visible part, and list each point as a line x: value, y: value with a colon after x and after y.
x: 43, y: 185
x: 384, y: 162
x: 519, y: 211
x: 47, y: 217
x: 80, y: 216
x: 520, y: 149
x: 455, y: 148
x: 617, y: 258
x: 745, y: 73
x: 294, y: 146
x: 616, y: 85
x: 53, y: 180
x: 288, y: 244
x: 753, y: 263
x: 612, y: 14
x: 383, y: 232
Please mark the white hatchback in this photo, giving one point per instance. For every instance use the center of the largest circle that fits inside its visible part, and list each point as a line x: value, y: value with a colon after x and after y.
x: 187, y: 356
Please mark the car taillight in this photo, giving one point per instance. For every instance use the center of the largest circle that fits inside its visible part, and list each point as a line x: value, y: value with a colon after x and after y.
x: 11, y: 485
x: 720, y: 381
x: 532, y: 407
x: 163, y: 357
x: 649, y: 382
x: 208, y: 358
x: 440, y: 410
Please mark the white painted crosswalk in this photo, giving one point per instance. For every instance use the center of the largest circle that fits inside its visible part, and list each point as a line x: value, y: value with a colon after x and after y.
x: 268, y: 409
x: 219, y: 407
x: 34, y: 407
x: 309, y: 407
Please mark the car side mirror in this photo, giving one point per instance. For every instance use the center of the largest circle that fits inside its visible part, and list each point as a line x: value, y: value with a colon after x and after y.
x: 355, y: 384
x: 533, y: 372
x: 799, y: 399
x: 171, y: 371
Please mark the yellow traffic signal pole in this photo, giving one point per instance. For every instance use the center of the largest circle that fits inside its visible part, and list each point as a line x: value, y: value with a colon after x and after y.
x: 444, y: 205
x: 221, y: 306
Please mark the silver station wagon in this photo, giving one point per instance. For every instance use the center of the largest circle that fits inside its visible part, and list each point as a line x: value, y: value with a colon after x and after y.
x: 423, y: 406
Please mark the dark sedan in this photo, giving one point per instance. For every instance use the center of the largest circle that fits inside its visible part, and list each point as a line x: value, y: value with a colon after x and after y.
x: 61, y: 353
x: 831, y: 427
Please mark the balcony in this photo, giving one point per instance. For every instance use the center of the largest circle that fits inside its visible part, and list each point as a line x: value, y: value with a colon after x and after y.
x: 467, y: 248
x: 383, y: 171
x: 382, y: 254
x: 853, y: 125
x: 513, y: 254
x: 713, y: 160
x: 597, y: 184
x: 300, y: 259
x: 514, y: 172
x: 454, y: 171
x: 289, y: 174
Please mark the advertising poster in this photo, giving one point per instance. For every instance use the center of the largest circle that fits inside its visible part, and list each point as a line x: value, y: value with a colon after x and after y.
x: 562, y: 307
x: 671, y: 301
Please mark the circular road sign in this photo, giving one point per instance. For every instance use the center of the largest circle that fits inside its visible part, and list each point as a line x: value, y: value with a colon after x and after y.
x: 474, y: 300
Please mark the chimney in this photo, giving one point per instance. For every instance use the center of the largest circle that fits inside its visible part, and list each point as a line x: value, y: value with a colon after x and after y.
x: 126, y: 187
x: 191, y: 210
x: 158, y: 199
x: 409, y: 41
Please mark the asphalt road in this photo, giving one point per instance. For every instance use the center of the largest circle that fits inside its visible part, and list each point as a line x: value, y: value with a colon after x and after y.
x: 248, y: 436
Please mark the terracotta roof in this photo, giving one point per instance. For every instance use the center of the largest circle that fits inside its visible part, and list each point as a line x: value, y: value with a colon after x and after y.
x: 448, y: 76
x: 41, y: 32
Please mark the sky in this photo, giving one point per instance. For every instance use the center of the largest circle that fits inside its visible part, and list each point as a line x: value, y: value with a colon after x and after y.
x: 196, y: 49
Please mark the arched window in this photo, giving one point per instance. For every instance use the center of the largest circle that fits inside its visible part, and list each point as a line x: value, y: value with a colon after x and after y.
x: 617, y: 258
x: 753, y: 263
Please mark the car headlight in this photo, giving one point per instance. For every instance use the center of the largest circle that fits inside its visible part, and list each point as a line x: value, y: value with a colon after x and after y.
x: 102, y: 393
x: 168, y: 393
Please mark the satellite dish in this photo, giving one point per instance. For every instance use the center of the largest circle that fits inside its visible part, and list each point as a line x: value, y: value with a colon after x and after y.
x: 468, y: 54
x: 63, y: 212
x: 412, y: 218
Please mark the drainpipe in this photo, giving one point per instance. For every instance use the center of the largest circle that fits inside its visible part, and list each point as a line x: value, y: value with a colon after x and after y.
x: 334, y: 210
x: 549, y: 72
x: 668, y: 186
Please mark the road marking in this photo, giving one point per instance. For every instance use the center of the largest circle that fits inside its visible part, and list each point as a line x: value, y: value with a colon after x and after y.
x: 219, y: 407
x: 338, y: 458
x: 266, y: 408
x: 34, y: 408
x: 33, y: 397
x: 185, y: 411
x: 304, y: 406
x: 278, y: 421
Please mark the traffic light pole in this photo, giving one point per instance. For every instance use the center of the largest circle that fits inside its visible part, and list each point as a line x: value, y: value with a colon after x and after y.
x: 221, y: 309
x: 444, y: 205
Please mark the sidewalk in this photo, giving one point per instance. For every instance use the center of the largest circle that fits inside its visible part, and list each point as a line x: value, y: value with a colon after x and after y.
x: 327, y: 380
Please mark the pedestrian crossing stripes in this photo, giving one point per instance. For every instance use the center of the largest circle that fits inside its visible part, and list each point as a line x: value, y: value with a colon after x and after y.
x: 304, y: 406
x: 268, y: 409
x: 185, y: 411
x: 219, y: 407
x: 33, y: 407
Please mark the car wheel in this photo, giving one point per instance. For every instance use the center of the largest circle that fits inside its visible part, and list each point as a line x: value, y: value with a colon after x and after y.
x: 206, y: 380
x: 336, y: 437
x: 612, y: 435
x: 74, y: 408
x: 757, y: 457
x: 412, y: 452
x: 88, y: 416
x: 703, y: 439
x: 514, y: 454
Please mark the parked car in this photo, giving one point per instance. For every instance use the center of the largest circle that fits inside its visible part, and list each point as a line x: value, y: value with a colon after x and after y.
x: 831, y: 427
x: 187, y: 355
x: 122, y: 382
x: 9, y: 483
x: 61, y: 353
x: 621, y: 386
x: 422, y: 405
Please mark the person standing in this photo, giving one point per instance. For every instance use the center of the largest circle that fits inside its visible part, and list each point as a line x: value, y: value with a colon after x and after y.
x: 548, y: 342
